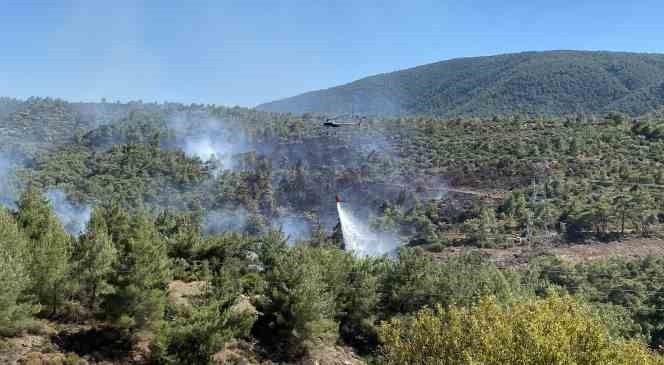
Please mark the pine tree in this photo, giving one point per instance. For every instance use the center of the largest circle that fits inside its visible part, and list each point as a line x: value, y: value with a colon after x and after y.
x: 49, y: 247
x: 358, y: 303
x: 117, y: 223
x: 95, y: 258
x: 643, y: 213
x: 14, y: 279
x: 143, y: 272
x: 601, y: 213
x: 622, y: 203
x: 213, y: 317
x: 299, y: 303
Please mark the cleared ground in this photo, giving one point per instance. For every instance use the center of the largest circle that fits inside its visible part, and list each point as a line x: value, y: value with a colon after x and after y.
x: 592, y: 250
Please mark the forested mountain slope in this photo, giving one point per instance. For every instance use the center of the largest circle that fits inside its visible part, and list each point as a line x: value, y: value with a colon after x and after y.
x: 192, y: 234
x: 548, y: 83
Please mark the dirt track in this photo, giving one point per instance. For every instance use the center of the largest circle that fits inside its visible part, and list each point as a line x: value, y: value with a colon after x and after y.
x: 631, y: 247
x: 636, y: 247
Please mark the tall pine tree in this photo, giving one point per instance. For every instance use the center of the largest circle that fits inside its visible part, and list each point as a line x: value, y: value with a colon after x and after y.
x: 143, y: 271
x: 14, y: 279
x: 49, y: 247
x: 95, y: 258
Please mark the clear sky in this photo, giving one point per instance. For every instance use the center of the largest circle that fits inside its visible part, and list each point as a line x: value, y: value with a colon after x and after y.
x: 248, y: 52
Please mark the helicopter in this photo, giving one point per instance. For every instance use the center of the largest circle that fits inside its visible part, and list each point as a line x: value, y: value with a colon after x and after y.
x: 331, y: 122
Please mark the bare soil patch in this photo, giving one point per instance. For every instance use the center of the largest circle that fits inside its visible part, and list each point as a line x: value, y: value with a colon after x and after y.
x: 592, y: 250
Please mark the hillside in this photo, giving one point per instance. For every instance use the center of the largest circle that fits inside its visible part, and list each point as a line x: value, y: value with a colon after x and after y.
x: 191, y: 234
x: 37, y: 124
x: 549, y: 83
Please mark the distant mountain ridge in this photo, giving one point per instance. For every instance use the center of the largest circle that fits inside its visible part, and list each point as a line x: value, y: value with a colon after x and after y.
x: 547, y: 83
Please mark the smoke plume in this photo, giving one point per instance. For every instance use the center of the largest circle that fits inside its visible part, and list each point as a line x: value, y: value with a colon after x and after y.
x: 210, y: 139
x: 72, y: 216
x: 226, y: 220
x: 295, y: 228
x: 8, y: 181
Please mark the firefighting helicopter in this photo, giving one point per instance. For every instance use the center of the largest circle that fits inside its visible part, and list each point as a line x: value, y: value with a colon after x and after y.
x: 332, y: 122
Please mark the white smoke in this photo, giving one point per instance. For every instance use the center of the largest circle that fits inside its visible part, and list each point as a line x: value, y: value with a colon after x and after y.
x: 226, y: 220
x: 435, y: 188
x: 8, y: 181
x: 204, y: 148
x: 360, y: 239
x: 208, y: 150
x: 210, y: 139
x: 293, y: 227
x: 72, y: 216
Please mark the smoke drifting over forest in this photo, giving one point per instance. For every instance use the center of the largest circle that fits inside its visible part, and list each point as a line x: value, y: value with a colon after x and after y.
x: 210, y: 139
x: 293, y: 227
x: 250, y: 171
x: 73, y: 217
x: 226, y: 220
x: 7, y: 181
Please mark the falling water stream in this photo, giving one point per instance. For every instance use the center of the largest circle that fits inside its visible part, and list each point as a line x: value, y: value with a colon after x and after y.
x: 358, y: 238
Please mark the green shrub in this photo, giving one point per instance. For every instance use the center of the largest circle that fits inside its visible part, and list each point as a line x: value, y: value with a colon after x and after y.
x: 557, y: 330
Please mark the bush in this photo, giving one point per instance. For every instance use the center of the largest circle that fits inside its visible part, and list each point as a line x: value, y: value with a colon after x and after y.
x: 193, y: 337
x: 415, y: 281
x: 557, y: 330
x: 436, y: 247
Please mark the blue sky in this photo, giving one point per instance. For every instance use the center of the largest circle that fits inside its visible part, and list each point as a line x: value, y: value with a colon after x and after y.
x: 248, y: 52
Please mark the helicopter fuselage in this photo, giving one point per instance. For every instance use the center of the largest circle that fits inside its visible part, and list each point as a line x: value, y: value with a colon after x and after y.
x: 337, y: 125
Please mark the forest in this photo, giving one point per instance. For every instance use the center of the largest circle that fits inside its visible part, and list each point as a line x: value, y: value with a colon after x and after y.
x: 163, y: 233
x: 550, y: 83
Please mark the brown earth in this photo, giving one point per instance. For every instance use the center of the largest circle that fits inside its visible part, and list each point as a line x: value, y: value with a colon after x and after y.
x: 635, y: 247
x: 16, y: 349
x: 238, y: 352
x: 576, y: 253
x: 179, y: 292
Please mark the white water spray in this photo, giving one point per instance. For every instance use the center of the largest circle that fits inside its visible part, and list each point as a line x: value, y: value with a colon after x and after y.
x: 358, y: 238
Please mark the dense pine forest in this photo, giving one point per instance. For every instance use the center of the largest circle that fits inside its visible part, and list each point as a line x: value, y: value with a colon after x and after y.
x: 163, y: 233
x: 532, y: 83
